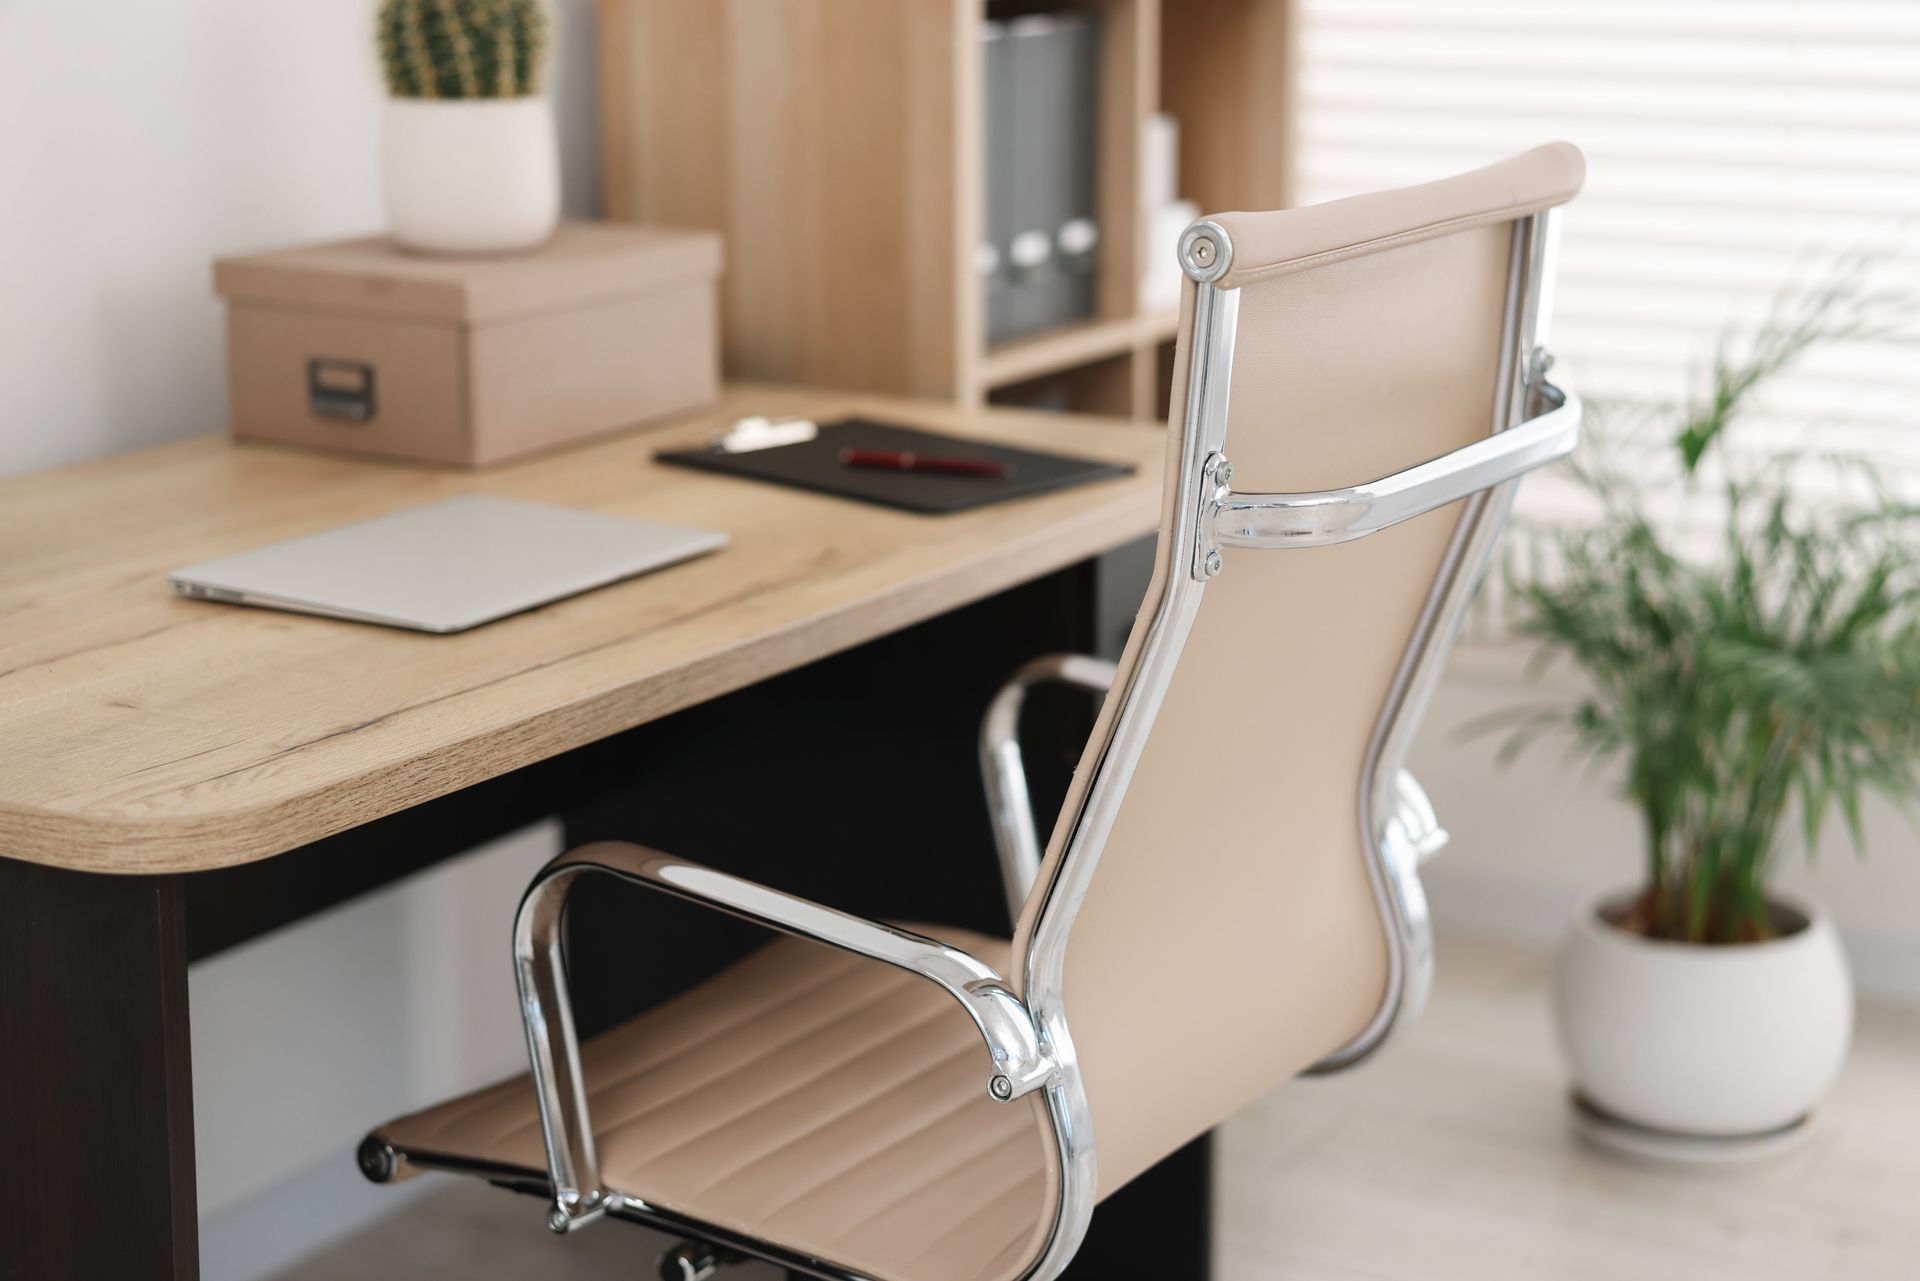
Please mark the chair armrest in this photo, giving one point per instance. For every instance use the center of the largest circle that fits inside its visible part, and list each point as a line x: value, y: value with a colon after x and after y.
x: 1321, y: 518
x: 1017, y: 1063
x: 1003, y: 768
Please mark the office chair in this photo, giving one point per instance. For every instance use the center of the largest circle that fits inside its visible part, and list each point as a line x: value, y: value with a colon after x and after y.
x: 1230, y: 895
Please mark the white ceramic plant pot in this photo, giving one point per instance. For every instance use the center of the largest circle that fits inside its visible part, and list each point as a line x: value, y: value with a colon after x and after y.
x: 1720, y: 1041
x: 474, y: 176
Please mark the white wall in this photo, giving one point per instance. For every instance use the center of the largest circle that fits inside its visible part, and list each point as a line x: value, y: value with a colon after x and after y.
x: 1535, y: 838
x: 141, y: 139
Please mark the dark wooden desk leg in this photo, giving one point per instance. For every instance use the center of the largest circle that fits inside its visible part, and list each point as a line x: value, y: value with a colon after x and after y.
x: 96, y: 1098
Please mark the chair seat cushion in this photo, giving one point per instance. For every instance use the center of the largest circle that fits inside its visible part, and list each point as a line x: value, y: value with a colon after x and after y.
x: 808, y: 1097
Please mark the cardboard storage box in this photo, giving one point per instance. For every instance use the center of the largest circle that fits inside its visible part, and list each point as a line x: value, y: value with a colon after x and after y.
x: 361, y: 347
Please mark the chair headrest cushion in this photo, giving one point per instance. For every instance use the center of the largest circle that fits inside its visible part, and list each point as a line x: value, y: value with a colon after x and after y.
x: 1268, y: 245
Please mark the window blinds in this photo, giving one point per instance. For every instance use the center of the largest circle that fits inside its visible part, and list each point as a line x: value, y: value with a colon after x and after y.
x: 1731, y: 145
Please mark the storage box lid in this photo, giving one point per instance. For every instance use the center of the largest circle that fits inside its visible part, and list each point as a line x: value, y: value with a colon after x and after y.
x: 583, y: 262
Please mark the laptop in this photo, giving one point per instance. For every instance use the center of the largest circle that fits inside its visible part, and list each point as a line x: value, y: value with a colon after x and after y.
x: 447, y: 566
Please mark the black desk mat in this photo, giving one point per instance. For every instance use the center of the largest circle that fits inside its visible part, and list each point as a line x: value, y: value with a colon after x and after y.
x: 815, y: 465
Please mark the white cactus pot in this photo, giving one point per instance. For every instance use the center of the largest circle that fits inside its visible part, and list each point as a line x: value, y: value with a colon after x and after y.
x: 472, y: 176
x: 1725, y: 1041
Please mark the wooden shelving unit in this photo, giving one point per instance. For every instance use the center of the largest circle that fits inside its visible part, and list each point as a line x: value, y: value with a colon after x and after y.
x: 836, y: 144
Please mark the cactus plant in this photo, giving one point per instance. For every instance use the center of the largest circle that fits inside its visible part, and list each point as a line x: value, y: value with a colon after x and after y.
x: 462, y: 48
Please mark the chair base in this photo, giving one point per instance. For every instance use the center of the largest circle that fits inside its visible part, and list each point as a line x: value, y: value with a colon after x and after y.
x: 695, y: 1261
x: 700, y: 1239
x: 1175, y: 1196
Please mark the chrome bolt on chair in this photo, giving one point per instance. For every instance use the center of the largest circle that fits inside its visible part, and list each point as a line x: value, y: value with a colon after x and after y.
x: 1230, y: 895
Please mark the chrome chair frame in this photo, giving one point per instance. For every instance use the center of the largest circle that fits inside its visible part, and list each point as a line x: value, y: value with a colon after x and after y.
x: 1028, y: 1045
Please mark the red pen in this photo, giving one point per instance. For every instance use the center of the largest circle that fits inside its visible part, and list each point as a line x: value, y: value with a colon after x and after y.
x: 901, y: 460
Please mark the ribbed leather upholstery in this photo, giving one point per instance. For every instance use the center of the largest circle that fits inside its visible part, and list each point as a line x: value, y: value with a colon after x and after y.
x: 806, y: 1096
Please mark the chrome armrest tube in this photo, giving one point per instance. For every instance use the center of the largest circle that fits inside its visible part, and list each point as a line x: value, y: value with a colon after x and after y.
x: 1018, y: 1065
x: 1394, y: 815
x: 1016, y: 835
x: 1324, y: 517
x: 1414, y: 824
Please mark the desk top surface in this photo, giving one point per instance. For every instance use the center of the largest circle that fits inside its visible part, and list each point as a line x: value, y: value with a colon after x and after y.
x: 143, y: 732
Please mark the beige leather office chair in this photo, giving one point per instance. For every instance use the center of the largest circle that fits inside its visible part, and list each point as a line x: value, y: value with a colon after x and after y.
x: 1230, y: 894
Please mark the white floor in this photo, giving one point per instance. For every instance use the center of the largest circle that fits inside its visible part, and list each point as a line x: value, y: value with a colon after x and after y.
x: 1450, y: 1157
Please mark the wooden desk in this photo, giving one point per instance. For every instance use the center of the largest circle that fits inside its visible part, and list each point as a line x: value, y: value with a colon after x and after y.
x: 148, y: 733
x: 144, y: 736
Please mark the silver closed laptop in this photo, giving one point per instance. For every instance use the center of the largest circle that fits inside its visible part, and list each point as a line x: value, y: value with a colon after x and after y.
x: 446, y: 566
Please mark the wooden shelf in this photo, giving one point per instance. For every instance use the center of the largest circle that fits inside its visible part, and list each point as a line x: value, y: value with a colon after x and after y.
x: 1070, y: 345
x: 1108, y: 386
x: 850, y: 185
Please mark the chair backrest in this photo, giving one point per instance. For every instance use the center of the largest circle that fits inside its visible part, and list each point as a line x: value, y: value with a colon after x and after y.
x: 1217, y: 910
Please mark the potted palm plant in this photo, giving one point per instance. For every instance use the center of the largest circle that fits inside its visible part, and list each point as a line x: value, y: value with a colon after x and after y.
x: 1769, y: 666
x: 472, y: 158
